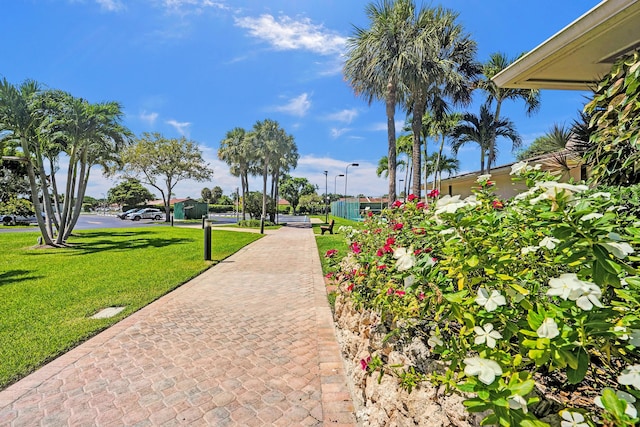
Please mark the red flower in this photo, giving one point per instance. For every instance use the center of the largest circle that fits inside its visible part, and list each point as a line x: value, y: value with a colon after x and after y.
x: 391, y: 241
x: 433, y: 193
x: 420, y: 205
x: 330, y: 253
x: 377, y: 231
x: 412, y: 197
x: 427, y: 250
x: 329, y: 275
x: 398, y: 226
x: 489, y: 183
x: 390, y: 291
x: 397, y: 204
x: 417, y: 252
x: 364, y: 363
x: 369, y: 214
x: 350, y: 287
x: 497, y: 204
x: 355, y: 247
x: 387, y: 249
x: 380, y: 252
x: 382, y: 267
x: 421, y: 296
x: 400, y: 293
x: 419, y: 230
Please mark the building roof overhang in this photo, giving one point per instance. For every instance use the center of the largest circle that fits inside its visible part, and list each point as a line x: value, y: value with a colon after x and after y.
x: 580, y: 54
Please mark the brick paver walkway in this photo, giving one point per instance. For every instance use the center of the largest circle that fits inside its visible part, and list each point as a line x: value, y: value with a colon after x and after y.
x: 248, y: 343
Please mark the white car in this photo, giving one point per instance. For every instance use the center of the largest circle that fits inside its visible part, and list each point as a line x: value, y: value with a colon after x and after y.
x: 146, y: 213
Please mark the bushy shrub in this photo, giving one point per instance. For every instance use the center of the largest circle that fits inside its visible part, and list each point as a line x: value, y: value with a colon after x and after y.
x: 541, y: 291
x: 16, y: 206
x: 252, y: 223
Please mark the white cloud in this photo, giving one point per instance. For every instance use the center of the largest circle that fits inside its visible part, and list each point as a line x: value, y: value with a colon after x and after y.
x: 185, y: 7
x: 345, y: 116
x: 111, y: 5
x: 149, y: 118
x: 181, y: 127
x: 297, y: 106
x: 289, y: 34
x: 336, y: 133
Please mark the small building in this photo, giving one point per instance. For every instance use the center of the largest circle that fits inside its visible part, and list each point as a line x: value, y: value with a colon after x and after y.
x: 190, y: 209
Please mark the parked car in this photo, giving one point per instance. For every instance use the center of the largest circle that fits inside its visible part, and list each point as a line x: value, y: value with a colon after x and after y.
x: 123, y: 215
x: 11, y: 219
x: 146, y: 213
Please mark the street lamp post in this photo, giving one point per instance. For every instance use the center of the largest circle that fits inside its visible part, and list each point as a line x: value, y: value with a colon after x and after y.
x: 326, y: 199
x: 346, y: 171
x: 335, y: 191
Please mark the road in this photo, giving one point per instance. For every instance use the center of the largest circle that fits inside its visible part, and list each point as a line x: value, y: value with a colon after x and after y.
x: 90, y: 221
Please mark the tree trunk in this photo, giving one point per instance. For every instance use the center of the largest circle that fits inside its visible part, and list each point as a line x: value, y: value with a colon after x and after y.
x: 391, y: 139
x: 34, y: 193
x: 419, y: 106
x: 244, y: 181
x: 83, y: 180
x: 492, y: 146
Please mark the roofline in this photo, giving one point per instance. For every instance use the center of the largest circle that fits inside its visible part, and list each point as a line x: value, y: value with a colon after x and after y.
x: 591, y: 23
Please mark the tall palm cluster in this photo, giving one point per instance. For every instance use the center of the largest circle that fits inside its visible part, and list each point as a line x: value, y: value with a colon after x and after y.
x: 420, y: 59
x: 48, y: 125
x: 267, y: 151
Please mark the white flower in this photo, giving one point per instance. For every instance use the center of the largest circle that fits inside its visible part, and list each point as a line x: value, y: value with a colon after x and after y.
x: 490, y: 302
x: 449, y: 204
x: 482, y: 178
x: 548, y: 329
x: 568, y: 286
x: 409, y: 281
x: 518, y: 402
x: 591, y: 295
x: 624, y: 331
x: 486, y: 370
x: 548, y: 242
x: 447, y: 231
x: 602, y: 194
x: 521, y: 167
x: 434, y: 340
x: 630, y: 410
x: 572, y: 419
x: 630, y: 376
x: 486, y: 334
x: 406, y: 258
x: 594, y: 215
x: 553, y: 189
x: 528, y: 249
x: 619, y: 249
x: 564, y: 286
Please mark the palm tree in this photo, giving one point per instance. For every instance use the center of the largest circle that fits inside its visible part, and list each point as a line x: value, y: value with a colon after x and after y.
x: 498, y: 62
x: 556, y: 139
x: 236, y: 151
x: 20, y: 116
x: 375, y: 61
x: 286, y: 158
x: 442, y: 128
x: 482, y: 130
x: 437, y: 163
x: 440, y: 68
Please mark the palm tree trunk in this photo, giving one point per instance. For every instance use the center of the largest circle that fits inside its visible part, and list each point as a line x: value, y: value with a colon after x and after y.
x: 492, y: 147
x: 416, y: 127
x: 34, y: 193
x: 244, y: 181
x: 391, y: 138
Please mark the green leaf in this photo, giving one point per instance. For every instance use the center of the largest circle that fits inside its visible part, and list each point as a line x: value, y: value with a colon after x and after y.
x: 523, y: 388
x: 533, y: 423
x: 473, y: 261
x: 612, y: 403
x: 576, y: 375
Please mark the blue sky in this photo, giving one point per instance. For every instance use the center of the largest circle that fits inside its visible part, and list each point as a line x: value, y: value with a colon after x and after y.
x: 199, y: 68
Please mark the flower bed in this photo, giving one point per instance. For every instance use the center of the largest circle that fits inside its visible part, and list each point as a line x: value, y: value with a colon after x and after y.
x: 528, y: 307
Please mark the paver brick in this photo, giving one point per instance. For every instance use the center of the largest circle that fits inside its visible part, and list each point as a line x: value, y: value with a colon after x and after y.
x: 248, y: 342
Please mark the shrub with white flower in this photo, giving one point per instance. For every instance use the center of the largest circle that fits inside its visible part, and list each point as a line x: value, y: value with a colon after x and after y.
x: 508, y: 292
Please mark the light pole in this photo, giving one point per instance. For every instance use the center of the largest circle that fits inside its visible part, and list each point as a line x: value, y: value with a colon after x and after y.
x: 346, y: 172
x: 335, y: 191
x: 326, y: 198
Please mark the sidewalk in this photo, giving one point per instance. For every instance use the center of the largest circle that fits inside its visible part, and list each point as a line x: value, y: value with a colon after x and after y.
x: 250, y: 342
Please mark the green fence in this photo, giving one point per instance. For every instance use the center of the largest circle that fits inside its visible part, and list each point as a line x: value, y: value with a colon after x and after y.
x: 349, y: 209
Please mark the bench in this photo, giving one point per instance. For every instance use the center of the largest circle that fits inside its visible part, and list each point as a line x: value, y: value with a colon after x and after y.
x: 328, y: 228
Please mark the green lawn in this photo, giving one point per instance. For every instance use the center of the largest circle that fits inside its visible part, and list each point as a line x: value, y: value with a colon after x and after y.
x: 332, y: 241
x: 47, y: 295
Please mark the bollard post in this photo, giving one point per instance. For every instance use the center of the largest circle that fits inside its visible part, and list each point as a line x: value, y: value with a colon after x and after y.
x: 171, y: 220
x: 207, y: 242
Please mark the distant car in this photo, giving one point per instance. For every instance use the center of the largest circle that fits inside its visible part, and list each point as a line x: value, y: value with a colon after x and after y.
x: 146, y: 213
x: 11, y: 219
x: 123, y: 215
